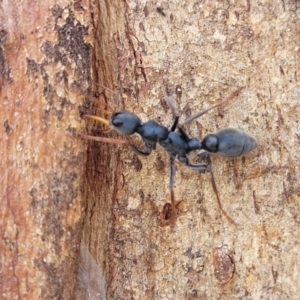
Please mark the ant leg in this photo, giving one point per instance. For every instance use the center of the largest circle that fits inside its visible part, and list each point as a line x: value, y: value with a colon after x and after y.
x: 201, y: 113
x: 148, y: 147
x: 175, y: 124
x: 172, y: 177
x: 175, y: 110
x: 184, y: 134
x: 137, y: 151
x: 172, y: 106
x: 199, y: 168
x: 206, y: 156
x: 207, y: 168
x: 168, y: 100
x: 170, y: 210
x: 193, y: 143
x: 218, y: 199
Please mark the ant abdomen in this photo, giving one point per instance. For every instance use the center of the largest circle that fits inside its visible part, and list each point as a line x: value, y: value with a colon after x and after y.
x: 229, y: 142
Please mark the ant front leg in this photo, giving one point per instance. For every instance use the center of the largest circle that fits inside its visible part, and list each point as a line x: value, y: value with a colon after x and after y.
x: 172, y: 177
x: 175, y: 110
x: 170, y: 103
x: 148, y: 147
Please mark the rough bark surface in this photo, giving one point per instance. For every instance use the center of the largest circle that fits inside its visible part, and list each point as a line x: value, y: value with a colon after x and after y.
x: 210, y: 48
x: 45, y: 59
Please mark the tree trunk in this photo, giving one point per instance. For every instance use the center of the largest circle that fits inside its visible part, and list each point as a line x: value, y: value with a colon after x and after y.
x: 209, y: 48
x: 45, y: 60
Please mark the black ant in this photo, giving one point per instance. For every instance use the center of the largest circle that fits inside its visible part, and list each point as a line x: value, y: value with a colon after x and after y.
x: 228, y: 142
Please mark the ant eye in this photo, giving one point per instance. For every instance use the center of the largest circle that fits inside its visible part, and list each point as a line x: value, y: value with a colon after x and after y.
x: 117, y: 122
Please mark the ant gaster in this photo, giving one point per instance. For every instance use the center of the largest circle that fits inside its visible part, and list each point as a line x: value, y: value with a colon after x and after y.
x: 226, y: 142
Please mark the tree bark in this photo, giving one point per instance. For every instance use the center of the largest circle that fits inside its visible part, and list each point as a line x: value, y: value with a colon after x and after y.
x: 45, y: 62
x: 210, y: 48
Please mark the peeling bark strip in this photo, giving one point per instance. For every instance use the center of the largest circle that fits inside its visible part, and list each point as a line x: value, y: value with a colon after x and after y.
x: 44, y: 61
x: 90, y: 277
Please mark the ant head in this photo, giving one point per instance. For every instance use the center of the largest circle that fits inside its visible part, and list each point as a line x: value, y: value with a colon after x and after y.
x: 210, y: 143
x: 124, y: 122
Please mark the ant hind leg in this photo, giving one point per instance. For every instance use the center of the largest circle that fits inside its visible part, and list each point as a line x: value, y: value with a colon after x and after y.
x: 205, y: 156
